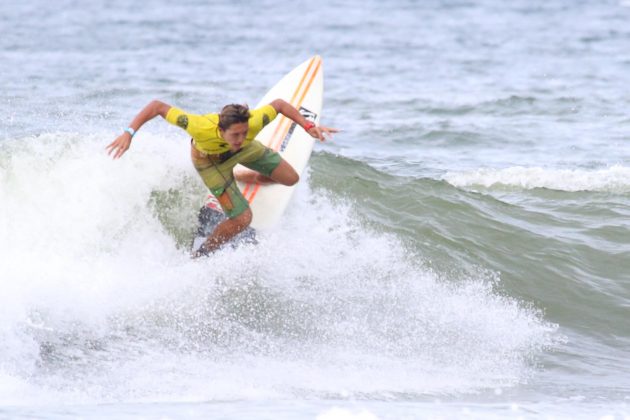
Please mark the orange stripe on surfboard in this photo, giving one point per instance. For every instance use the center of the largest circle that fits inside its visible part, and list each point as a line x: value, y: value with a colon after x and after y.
x: 286, y: 121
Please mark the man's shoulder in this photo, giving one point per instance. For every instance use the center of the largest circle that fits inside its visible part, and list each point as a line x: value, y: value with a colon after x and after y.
x: 176, y: 114
x: 263, y: 115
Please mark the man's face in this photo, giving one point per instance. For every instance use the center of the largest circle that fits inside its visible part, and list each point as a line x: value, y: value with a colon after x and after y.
x: 235, y: 135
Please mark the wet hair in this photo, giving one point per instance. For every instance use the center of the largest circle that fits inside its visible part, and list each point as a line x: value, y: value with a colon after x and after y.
x: 233, y: 114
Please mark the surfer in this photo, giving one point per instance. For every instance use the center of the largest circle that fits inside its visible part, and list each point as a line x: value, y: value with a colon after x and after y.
x: 220, y: 142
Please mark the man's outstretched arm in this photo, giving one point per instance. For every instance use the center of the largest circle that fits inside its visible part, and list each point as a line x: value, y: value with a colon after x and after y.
x: 289, y: 111
x: 119, y: 146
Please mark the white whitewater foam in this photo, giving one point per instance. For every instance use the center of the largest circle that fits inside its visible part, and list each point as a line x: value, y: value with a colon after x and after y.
x: 345, y: 414
x: 615, y: 179
x: 100, y: 305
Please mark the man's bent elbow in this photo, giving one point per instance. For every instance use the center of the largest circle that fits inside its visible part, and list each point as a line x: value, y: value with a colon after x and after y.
x: 279, y: 105
x: 159, y: 108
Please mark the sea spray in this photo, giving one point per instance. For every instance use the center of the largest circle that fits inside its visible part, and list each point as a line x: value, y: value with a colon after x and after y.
x: 115, y: 309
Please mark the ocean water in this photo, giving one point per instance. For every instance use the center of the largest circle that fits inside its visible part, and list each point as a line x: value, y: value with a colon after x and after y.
x: 460, y: 250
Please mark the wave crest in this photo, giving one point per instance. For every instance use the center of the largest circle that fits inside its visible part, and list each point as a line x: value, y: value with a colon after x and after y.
x: 615, y: 179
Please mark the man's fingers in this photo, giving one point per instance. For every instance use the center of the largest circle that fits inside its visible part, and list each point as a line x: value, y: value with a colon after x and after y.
x: 118, y: 147
x: 320, y: 134
x: 330, y: 130
x: 121, y: 151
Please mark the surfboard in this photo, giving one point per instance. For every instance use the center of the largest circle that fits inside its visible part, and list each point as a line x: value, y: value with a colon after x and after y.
x: 302, y: 87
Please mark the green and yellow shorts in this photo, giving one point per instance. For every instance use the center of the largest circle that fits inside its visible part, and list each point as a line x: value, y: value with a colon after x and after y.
x: 217, y: 172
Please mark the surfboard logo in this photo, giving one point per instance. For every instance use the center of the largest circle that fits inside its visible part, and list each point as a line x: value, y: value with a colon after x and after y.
x: 308, y: 115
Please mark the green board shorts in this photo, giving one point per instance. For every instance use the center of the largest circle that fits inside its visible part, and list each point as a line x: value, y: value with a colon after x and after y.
x: 217, y: 172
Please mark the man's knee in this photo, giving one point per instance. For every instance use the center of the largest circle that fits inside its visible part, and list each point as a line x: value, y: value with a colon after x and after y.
x: 285, y: 174
x: 292, y: 179
x: 244, y: 219
x: 289, y: 177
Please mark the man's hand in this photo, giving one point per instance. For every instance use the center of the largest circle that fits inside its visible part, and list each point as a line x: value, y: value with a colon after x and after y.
x: 119, y: 146
x: 154, y: 108
x: 290, y: 112
x: 321, y: 132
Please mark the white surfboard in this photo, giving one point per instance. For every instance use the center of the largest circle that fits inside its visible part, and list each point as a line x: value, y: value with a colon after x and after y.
x: 303, y: 88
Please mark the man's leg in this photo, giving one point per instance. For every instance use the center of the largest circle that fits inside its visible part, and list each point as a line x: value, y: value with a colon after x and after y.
x: 219, y: 180
x: 283, y: 174
x: 273, y: 168
x: 264, y: 166
x: 249, y: 176
x: 225, y: 231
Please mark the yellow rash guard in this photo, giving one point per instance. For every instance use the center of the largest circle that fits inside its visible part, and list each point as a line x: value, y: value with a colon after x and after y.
x: 204, y: 129
x: 213, y: 159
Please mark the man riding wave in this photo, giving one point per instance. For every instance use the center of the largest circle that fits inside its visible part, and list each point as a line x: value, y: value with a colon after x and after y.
x: 220, y: 142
